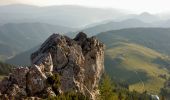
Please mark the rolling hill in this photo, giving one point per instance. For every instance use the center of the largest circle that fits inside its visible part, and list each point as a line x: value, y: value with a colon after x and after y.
x: 135, y: 65
x: 154, y: 38
x: 138, y: 56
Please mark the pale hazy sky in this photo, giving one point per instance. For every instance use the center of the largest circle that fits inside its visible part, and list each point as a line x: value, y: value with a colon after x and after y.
x: 152, y: 6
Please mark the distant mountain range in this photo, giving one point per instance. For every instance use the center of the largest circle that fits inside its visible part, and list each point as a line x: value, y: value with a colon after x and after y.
x: 145, y: 17
x: 68, y: 15
x: 113, y: 25
x: 117, y: 25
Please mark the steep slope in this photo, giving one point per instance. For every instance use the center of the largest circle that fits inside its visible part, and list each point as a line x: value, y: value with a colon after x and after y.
x: 16, y: 38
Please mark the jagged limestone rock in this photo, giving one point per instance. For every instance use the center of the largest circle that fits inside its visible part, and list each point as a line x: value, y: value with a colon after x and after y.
x: 18, y: 76
x: 78, y: 61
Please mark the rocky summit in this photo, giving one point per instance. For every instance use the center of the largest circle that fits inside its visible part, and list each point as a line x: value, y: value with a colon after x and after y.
x: 78, y: 62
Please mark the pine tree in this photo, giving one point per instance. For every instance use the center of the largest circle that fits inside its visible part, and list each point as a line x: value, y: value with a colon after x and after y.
x: 106, y: 88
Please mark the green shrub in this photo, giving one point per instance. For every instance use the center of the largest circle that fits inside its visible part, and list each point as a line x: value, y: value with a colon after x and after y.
x: 54, y: 82
x: 69, y: 96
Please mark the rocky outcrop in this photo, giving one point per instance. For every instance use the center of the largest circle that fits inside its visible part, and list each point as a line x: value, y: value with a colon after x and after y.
x: 14, y: 85
x: 79, y: 63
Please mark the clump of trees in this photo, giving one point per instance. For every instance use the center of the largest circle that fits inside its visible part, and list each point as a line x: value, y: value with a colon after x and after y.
x: 107, y: 89
x: 54, y: 82
x: 165, y: 91
x: 110, y: 90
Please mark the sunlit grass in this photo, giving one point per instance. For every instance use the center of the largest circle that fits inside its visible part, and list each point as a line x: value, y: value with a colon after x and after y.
x: 136, y: 59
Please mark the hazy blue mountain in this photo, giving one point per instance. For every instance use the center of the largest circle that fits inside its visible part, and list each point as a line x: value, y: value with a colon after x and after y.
x: 16, y: 38
x: 163, y: 23
x: 145, y: 17
x: 129, y: 23
x: 164, y: 15
x: 68, y: 15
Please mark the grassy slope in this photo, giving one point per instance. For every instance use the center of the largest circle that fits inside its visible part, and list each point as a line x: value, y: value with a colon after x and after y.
x: 128, y: 57
x: 134, y: 64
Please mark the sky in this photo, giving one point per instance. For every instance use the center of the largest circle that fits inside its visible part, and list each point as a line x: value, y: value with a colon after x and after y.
x: 152, y: 6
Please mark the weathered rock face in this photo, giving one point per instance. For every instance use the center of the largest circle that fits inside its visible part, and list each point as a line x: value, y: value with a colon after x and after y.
x: 36, y: 80
x: 78, y: 61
